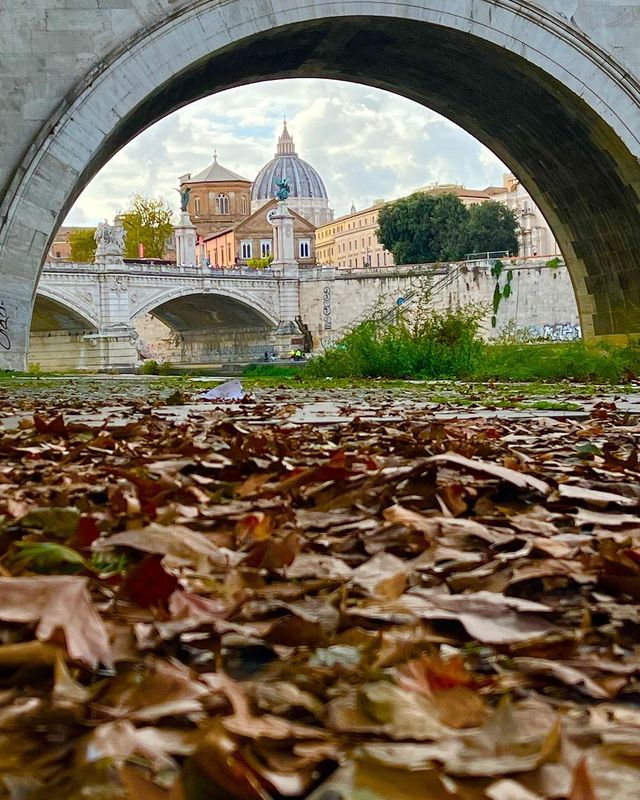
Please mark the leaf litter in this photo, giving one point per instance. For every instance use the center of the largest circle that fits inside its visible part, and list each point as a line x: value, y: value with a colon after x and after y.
x: 203, y: 608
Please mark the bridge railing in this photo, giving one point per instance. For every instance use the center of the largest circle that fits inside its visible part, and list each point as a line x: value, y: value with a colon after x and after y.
x: 145, y: 268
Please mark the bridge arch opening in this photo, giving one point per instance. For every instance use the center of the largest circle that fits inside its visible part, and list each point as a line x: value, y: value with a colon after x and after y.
x: 52, y: 314
x: 562, y: 114
x: 204, y: 328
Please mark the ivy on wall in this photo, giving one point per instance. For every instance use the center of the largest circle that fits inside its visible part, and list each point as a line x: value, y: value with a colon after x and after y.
x: 499, y: 291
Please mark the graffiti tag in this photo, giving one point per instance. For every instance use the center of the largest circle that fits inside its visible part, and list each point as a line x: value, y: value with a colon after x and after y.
x: 561, y: 332
x: 5, y: 340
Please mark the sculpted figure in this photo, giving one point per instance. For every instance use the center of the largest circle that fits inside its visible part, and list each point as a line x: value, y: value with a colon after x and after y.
x: 284, y: 188
x: 184, y: 198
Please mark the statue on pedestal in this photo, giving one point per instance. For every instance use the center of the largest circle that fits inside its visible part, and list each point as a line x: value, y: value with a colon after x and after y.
x: 109, y: 239
x: 184, y: 198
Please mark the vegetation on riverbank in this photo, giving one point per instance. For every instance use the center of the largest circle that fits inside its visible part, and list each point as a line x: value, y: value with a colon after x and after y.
x: 446, y: 345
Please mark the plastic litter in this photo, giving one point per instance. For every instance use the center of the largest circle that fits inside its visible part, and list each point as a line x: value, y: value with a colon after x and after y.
x: 230, y: 390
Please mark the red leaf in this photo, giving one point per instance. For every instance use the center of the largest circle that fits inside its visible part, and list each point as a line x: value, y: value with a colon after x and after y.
x: 148, y: 584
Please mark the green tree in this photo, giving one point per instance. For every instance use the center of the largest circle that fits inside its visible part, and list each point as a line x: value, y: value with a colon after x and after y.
x: 449, y: 221
x: 492, y: 226
x: 423, y: 228
x: 82, y: 245
x: 404, y: 228
x: 146, y: 221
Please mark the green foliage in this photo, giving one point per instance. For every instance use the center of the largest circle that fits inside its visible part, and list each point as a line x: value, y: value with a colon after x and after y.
x: 405, y: 228
x: 146, y: 221
x: 553, y: 263
x: 152, y: 367
x: 46, y: 557
x: 492, y: 226
x: 432, y: 344
x: 557, y: 361
x: 34, y: 368
x: 260, y: 263
x: 500, y: 292
x: 82, y: 245
x: 425, y: 228
x: 274, y: 370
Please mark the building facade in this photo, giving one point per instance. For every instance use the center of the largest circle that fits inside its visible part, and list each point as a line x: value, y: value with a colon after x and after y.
x: 535, y: 237
x: 219, y: 198
x: 351, y: 241
x: 253, y: 238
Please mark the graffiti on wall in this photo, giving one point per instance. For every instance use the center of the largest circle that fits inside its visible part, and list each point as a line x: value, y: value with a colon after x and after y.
x: 5, y: 340
x: 560, y: 332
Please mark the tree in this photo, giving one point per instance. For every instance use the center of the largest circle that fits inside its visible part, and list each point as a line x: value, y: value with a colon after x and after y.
x: 404, y: 228
x: 147, y: 221
x: 82, y: 245
x: 424, y: 228
x: 492, y: 226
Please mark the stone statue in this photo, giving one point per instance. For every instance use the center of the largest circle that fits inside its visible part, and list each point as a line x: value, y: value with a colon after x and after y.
x: 284, y: 188
x: 109, y: 239
x: 184, y: 198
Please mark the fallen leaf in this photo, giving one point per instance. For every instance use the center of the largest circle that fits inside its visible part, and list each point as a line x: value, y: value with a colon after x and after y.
x: 58, y: 602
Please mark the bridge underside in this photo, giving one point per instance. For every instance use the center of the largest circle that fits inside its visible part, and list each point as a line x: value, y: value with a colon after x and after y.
x: 50, y: 316
x: 58, y: 339
x: 206, y: 329
x: 501, y: 74
x: 208, y: 312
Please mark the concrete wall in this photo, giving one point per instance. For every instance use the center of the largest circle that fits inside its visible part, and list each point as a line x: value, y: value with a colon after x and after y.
x: 542, y: 297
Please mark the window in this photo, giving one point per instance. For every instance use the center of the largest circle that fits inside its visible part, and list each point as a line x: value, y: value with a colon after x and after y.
x: 196, y: 206
x: 222, y: 204
x: 304, y: 248
x: 349, y: 244
x: 245, y: 249
x: 265, y: 248
x: 244, y: 203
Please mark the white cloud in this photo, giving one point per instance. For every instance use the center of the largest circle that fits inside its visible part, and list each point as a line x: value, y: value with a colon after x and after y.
x: 364, y: 142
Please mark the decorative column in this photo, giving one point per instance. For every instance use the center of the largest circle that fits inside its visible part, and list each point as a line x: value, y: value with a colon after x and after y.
x: 287, y: 335
x: 185, y: 234
x: 116, y: 338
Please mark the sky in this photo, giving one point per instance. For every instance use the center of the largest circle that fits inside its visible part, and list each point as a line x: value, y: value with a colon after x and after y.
x: 365, y: 143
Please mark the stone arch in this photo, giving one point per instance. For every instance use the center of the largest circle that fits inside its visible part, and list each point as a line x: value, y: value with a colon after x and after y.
x: 63, y: 308
x: 552, y: 104
x: 253, y: 308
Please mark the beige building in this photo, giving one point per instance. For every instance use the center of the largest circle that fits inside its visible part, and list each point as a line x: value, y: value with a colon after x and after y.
x: 535, y: 237
x: 219, y: 198
x: 469, y: 197
x: 351, y: 241
x: 253, y: 238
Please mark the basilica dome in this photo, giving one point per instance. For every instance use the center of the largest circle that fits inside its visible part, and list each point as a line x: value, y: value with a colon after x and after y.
x: 308, y: 195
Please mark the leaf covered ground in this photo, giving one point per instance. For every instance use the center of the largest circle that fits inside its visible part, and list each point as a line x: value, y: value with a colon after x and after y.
x: 231, y: 607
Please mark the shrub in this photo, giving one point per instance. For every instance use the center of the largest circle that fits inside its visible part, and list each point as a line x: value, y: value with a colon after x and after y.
x: 150, y: 367
x: 423, y: 343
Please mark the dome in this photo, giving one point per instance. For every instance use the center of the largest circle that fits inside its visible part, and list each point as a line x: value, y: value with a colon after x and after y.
x: 303, y: 178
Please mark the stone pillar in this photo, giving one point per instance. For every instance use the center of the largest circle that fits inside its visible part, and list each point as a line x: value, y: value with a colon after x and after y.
x: 185, y: 241
x: 287, y: 335
x: 116, y: 338
x: 15, y: 321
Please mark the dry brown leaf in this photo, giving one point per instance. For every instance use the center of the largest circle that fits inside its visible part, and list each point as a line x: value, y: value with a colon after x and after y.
x: 383, y: 576
x: 58, y: 602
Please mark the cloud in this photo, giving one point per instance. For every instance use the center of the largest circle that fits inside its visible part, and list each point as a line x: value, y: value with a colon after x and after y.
x: 364, y: 142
